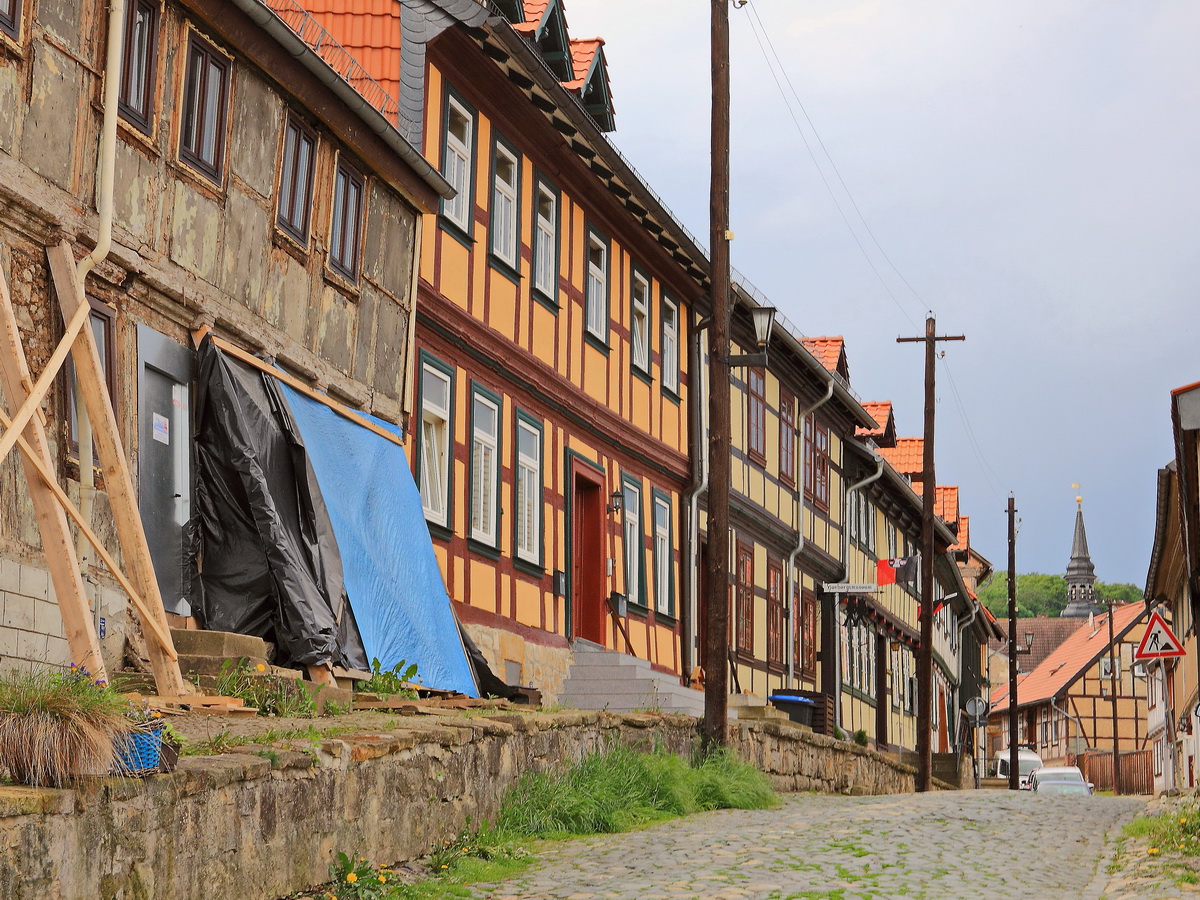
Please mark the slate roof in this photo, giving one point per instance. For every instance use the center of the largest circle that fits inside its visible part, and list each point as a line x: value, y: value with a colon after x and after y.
x: 1070, y: 659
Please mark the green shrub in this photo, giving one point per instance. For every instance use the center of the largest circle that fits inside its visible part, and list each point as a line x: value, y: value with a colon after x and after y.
x: 390, y: 682
x: 621, y: 788
x: 271, y: 695
x: 860, y: 737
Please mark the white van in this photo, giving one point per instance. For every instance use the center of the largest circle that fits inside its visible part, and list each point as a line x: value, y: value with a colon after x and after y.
x: 1027, y: 761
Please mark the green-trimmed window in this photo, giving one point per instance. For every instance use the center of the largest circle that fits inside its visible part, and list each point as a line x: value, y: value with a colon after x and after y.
x: 485, y: 466
x: 545, y: 242
x: 635, y: 588
x: 436, y: 451
x: 458, y: 161
x: 664, y: 556
x: 597, y: 287
x: 639, y: 322
x: 528, y: 486
x: 506, y: 192
x: 669, y: 358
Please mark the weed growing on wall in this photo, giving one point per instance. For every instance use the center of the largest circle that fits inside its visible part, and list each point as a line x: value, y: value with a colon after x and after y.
x: 394, y: 682
x: 271, y: 695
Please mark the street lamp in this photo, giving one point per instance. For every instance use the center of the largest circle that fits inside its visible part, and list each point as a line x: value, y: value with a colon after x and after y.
x: 763, y: 319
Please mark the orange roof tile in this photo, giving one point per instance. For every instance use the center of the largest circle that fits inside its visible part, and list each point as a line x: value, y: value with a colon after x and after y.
x: 906, y: 457
x: 964, y: 534
x: 370, y: 32
x: 880, y: 411
x: 945, y: 503
x: 583, y: 53
x: 829, y: 351
x: 1072, y: 657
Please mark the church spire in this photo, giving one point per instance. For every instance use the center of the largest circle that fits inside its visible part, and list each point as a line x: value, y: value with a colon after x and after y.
x: 1081, y: 574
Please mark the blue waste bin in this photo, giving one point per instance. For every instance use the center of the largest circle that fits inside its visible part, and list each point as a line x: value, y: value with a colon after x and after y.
x: 798, y: 708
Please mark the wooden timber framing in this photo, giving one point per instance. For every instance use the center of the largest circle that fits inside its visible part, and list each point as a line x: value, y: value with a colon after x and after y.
x: 57, y: 543
x: 89, y: 375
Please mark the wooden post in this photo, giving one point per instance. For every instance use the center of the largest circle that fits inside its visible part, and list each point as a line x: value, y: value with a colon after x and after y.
x: 1014, y: 777
x: 118, y: 482
x: 52, y: 523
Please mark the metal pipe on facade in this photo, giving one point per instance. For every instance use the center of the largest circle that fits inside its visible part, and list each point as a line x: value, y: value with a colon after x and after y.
x: 791, y: 568
x: 837, y: 625
x: 697, y: 401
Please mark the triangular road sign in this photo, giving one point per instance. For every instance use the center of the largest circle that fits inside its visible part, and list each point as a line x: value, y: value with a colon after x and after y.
x: 1159, y: 642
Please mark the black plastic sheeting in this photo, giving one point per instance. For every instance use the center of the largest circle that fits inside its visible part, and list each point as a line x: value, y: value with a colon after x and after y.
x: 489, y: 684
x: 268, y: 561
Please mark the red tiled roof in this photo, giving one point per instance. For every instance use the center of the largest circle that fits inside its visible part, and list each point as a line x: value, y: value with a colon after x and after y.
x: 829, y: 351
x: 534, y: 10
x: 964, y: 534
x: 880, y: 411
x: 1071, y: 657
x: 370, y: 32
x: 583, y: 53
x: 945, y: 503
x: 905, y: 457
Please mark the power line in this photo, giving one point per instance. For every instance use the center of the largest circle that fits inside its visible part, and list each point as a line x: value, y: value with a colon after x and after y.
x: 824, y: 179
x: 989, y: 474
x: 820, y: 141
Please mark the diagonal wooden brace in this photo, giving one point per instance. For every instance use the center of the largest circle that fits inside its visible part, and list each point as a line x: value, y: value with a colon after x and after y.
x: 118, y: 482
x: 163, y: 638
x: 37, y: 393
x: 57, y: 544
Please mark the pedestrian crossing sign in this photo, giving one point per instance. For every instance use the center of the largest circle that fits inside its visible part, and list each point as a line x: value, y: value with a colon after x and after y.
x: 1159, y: 642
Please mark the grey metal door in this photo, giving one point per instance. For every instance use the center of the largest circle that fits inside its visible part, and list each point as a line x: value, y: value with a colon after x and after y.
x: 164, y: 459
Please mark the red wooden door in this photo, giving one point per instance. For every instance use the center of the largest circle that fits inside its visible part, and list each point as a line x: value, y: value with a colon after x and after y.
x: 587, y: 552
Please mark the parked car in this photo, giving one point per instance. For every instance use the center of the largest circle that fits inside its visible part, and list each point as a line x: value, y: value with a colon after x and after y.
x: 1059, y: 780
x: 1027, y: 761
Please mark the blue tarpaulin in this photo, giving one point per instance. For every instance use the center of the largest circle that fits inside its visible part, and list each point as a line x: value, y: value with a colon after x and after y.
x: 391, y: 572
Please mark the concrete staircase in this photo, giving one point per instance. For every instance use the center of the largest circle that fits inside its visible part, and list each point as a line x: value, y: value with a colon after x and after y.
x: 604, y: 679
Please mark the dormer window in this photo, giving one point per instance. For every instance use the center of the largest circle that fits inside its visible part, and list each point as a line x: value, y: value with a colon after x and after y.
x: 551, y: 41
x: 513, y: 10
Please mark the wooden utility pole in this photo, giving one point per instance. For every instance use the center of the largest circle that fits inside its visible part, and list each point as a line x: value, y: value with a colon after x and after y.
x: 1112, y: 696
x: 928, y: 491
x: 1014, y: 775
x: 716, y: 600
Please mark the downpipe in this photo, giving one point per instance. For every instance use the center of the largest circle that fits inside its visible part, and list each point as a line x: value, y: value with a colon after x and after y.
x: 791, y: 567
x: 691, y: 654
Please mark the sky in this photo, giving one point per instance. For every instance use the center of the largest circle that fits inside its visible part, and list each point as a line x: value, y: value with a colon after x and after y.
x: 1027, y: 171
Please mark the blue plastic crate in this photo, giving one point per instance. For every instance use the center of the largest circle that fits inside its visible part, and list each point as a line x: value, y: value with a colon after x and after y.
x: 139, y: 752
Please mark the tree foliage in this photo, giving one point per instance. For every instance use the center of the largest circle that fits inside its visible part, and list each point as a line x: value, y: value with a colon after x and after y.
x: 1045, y: 595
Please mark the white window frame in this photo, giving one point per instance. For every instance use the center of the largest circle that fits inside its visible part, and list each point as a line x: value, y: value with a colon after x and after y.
x: 597, y: 288
x: 458, y: 164
x: 634, y: 549
x: 435, y: 454
x: 545, y: 243
x: 485, y: 473
x: 505, y: 209
x: 528, y: 479
x: 662, y: 556
x: 670, y: 345
x: 639, y: 322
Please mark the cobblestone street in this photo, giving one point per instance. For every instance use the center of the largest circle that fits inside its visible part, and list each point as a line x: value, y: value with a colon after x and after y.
x: 978, y: 844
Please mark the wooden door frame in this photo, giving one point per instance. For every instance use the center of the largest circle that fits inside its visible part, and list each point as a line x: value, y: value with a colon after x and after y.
x: 577, y: 466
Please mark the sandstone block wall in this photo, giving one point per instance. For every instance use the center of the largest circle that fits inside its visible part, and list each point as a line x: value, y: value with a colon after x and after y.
x: 249, y: 826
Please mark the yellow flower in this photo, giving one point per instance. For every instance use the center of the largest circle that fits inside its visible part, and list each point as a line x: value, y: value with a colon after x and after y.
x: 1153, y: 851
x: 382, y: 879
x: 445, y: 867
x: 351, y: 877
x: 1182, y: 819
x: 261, y: 667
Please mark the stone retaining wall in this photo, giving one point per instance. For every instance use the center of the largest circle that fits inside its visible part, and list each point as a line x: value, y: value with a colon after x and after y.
x: 250, y: 826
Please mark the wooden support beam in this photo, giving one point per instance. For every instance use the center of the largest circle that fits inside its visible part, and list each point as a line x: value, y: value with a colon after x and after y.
x: 163, y: 637
x: 36, y: 393
x: 57, y: 543
x: 118, y: 482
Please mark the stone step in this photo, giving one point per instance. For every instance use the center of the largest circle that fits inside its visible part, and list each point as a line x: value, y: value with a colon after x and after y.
x: 609, y: 672
x: 591, y: 660
x: 220, y: 644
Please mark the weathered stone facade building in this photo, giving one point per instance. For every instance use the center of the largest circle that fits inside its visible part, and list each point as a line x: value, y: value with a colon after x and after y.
x: 257, y: 193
